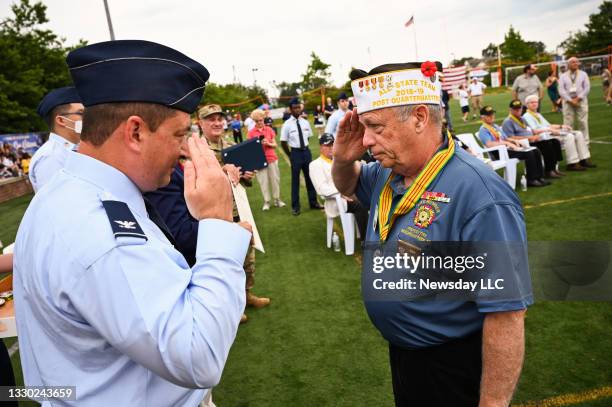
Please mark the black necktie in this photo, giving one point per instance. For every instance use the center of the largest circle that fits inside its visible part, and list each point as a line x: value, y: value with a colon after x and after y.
x: 157, y: 219
x: 297, y: 123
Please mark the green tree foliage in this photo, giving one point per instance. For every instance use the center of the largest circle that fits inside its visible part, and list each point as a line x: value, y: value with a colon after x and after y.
x: 289, y: 89
x: 597, y: 36
x: 317, y: 73
x: 32, y: 62
x: 514, y: 48
x: 490, y: 51
x: 235, y: 93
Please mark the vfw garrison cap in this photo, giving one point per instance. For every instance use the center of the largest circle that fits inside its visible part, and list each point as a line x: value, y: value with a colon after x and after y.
x: 399, y: 84
x: 57, y: 97
x: 137, y: 71
x: 515, y: 104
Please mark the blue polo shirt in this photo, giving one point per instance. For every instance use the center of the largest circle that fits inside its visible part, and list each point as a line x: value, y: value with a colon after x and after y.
x: 482, y: 208
x: 485, y: 135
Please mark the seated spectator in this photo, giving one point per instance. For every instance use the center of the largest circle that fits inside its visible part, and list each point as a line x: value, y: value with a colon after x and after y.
x: 321, y: 176
x: 269, y: 177
x: 25, y: 162
x: 576, y: 149
x: 9, y: 161
x: 5, y: 172
x: 515, y: 128
x: 492, y: 135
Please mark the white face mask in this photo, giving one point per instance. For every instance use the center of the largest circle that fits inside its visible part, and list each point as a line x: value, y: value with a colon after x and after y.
x: 78, y: 125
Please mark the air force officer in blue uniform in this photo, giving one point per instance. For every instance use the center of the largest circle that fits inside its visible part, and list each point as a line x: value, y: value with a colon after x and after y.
x: 103, y: 301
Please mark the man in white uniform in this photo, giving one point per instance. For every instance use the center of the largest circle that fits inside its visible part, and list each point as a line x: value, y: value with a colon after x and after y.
x: 62, y: 110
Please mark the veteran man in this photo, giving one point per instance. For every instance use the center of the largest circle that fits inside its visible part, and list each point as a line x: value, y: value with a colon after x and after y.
x: 103, y: 300
x: 576, y: 148
x: 574, y: 88
x: 441, y: 352
x: 169, y: 201
x: 62, y: 110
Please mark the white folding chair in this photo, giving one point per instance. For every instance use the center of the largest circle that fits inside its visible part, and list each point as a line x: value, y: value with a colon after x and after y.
x: 347, y: 221
x: 504, y: 162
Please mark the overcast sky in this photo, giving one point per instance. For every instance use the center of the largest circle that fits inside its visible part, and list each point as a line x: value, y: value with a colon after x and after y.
x: 277, y: 36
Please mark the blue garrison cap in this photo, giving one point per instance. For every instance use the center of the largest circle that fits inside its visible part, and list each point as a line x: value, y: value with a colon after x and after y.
x: 137, y: 71
x: 57, y: 97
x: 342, y: 96
x: 294, y: 101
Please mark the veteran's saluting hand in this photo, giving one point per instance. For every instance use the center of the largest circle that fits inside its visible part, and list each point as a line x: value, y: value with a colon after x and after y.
x: 348, y: 145
x: 348, y: 149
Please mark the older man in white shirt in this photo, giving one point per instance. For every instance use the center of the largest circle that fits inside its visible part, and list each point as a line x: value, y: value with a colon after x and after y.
x: 577, y: 152
x: 321, y: 176
x: 574, y: 87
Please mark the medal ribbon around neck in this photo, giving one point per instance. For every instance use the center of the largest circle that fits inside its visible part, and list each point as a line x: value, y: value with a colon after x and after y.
x: 493, y: 131
x: 535, y: 116
x: 325, y: 158
x: 517, y: 121
x: 413, y: 194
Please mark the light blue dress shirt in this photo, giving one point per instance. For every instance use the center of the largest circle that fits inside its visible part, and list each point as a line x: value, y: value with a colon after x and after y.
x: 334, y: 121
x: 485, y: 135
x: 125, y: 319
x: 533, y: 123
x: 290, y: 133
x: 49, y: 159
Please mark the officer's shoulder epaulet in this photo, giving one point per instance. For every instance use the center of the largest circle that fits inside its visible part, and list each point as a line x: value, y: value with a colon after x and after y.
x: 122, y: 220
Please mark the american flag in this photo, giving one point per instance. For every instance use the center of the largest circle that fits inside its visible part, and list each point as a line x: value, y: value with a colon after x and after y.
x: 409, y: 22
x: 453, y: 77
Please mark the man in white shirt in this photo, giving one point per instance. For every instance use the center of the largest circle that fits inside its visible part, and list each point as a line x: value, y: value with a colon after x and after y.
x: 294, y: 140
x: 574, y: 87
x: 62, y: 110
x: 577, y: 152
x: 321, y: 175
x: 476, y: 91
x: 249, y: 123
x: 334, y: 119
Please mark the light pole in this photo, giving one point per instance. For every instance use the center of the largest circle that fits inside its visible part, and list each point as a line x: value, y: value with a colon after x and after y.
x: 254, y: 79
x: 108, y: 19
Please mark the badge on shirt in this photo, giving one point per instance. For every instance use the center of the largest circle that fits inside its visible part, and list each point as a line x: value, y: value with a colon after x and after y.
x: 435, y: 196
x: 424, y: 216
x: 122, y: 220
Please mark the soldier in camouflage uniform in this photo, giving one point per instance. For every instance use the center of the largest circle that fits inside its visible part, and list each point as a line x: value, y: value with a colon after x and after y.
x: 211, y: 122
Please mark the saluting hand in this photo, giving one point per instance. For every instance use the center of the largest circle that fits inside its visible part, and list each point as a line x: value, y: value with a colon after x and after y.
x: 208, y: 193
x: 348, y: 145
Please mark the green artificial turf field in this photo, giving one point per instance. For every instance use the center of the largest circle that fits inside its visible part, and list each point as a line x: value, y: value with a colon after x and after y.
x: 314, y: 345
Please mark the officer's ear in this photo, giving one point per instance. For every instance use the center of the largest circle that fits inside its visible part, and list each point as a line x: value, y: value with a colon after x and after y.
x: 134, y: 132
